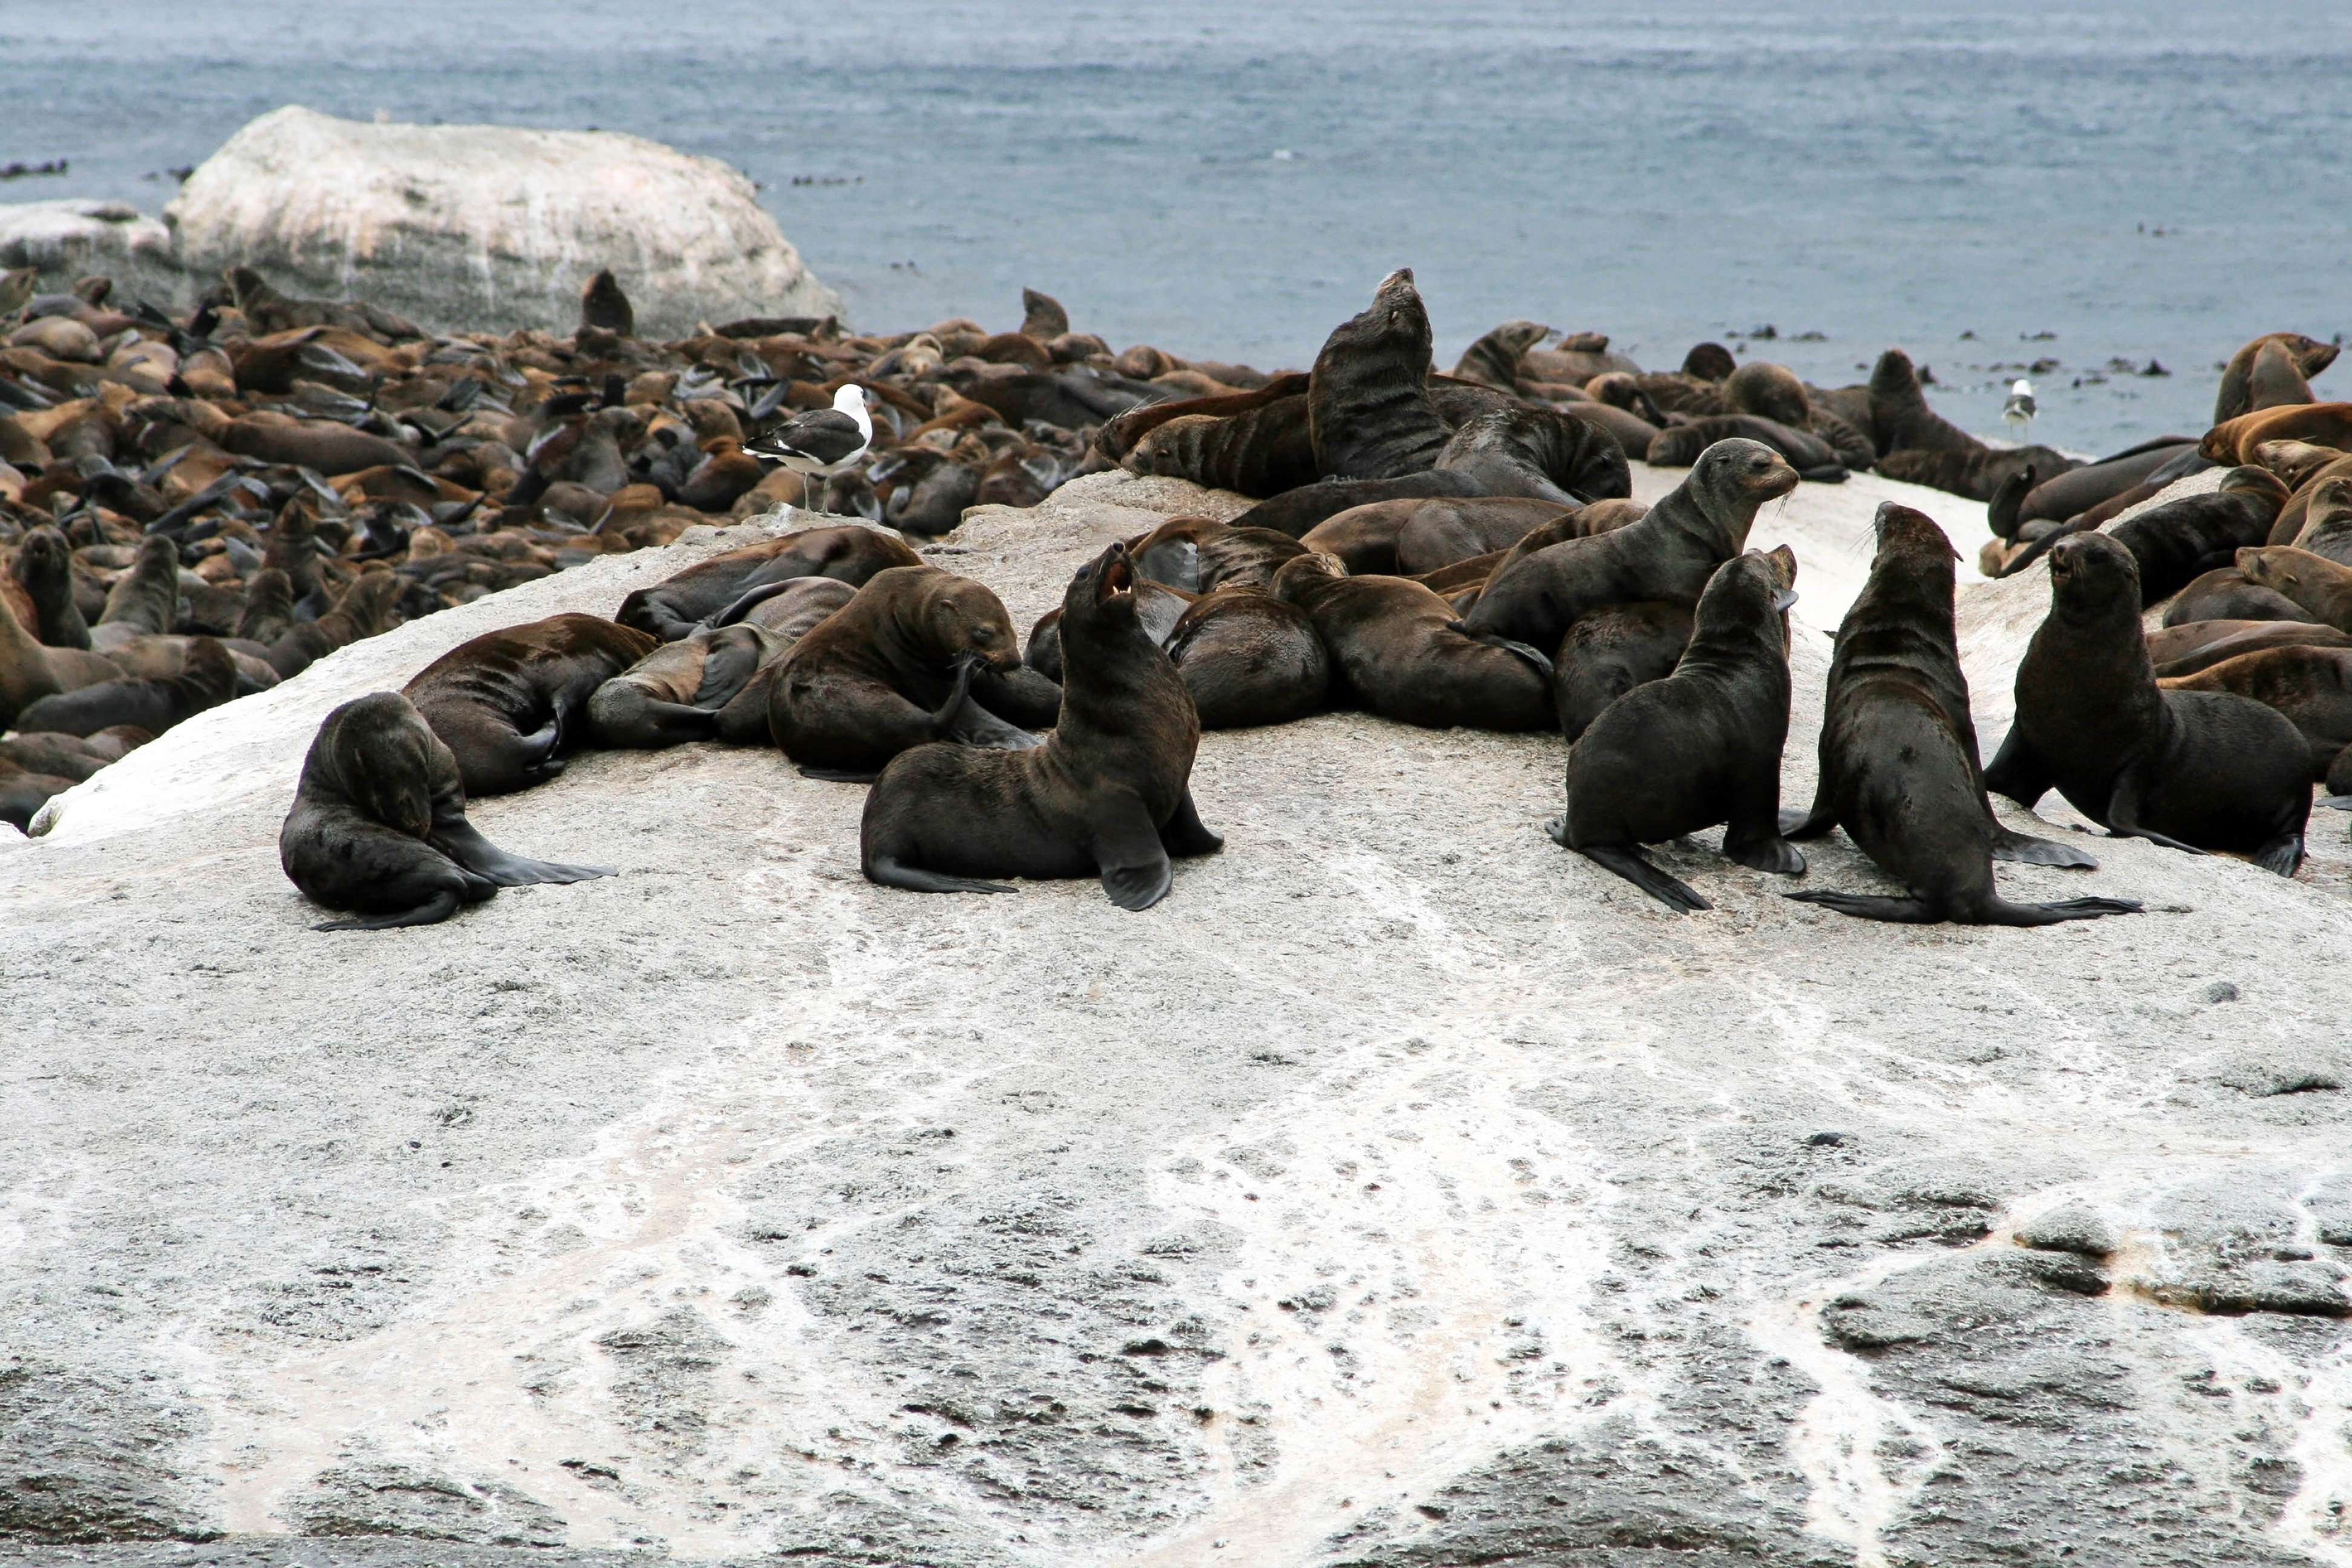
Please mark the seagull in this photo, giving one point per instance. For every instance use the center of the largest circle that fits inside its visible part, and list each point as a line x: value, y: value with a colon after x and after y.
x: 2018, y: 412
x: 823, y: 442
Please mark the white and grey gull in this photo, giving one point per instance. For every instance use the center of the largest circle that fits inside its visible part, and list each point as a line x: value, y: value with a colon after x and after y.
x: 2018, y: 411
x: 820, y: 443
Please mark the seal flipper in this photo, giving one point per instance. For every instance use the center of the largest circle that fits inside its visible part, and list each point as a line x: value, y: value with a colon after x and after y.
x: 2018, y: 772
x: 975, y: 726
x: 1496, y: 639
x: 463, y: 843
x: 840, y: 775
x: 1184, y: 834
x: 1626, y: 861
x: 752, y: 599
x: 2023, y: 849
x: 1136, y: 870
x: 2123, y: 818
x: 1863, y: 907
x: 2282, y: 854
x: 726, y: 669
x: 432, y: 911
x: 1764, y: 852
x: 889, y: 871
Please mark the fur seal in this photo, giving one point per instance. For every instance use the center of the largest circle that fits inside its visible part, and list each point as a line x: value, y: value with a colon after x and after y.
x: 1249, y: 659
x: 2311, y: 687
x: 26, y: 672
x: 1612, y: 650
x: 269, y: 612
x: 1494, y: 360
x: 2201, y: 644
x: 206, y: 679
x: 508, y: 703
x: 603, y: 307
x: 2309, y: 356
x: 2224, y: 595
x: 709, y: 589
x: 2320, y: 424
x: 2204, y: 770
x: 1200, y: 554
x: 1399, y: 653
x: 1700, y: 747
x: 2175, y: 542
x: 1811, y: 456
x: 1898, y: 751
x: 2327, y: 519
x: 145, y: 600
x: 378, y: 825
x: 2061, y: 497
x: 1369, y: 409
x: 1109, y: 794
x: 364, y: 610
x: 1258, y: 443
x: 44, y: 566
x: 890, y: 670
x: 2322, y: 588
x: 1668, y: 555
x: 1157, y: 605
x: 673, y: 694
x: 786, y: 619
x: 1371, y: 537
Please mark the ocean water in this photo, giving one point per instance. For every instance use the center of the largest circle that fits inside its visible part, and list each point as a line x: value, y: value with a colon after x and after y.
x: 2089, y: 184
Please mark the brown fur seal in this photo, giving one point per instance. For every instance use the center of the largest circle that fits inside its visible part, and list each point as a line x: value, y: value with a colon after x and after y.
x: 1108, y: 795
x: 269, y: 612
x: 2224, y: 595
x: 2275, y: 381
x: 1257, y: 442
x: 378, y: 825
x: 1975, y: 475
x: 786, y: 619
x: 44, y: 565
x: 2060, y: 497
x: 207, y: 678
x: 364, y: 610
x: 1701, y: 747
x: 22, y: 794
x: 673, y: 694
x: 2308, y: 355
x: 2293, y: 516
x: 145, y: 601
x: 1200, y: 554
x: 1494, y: 359
x: 1398, y: 654
x: 2320, y: 424
x: 1368, y: 401
x: 1612, y: 650
x: 1371, y: 539
x: 2201, y: 644
x: 1249, y: 659
x: 2175, y: 542
x: 2327, y: 521
x: 1157, y: 607
x: 709, y: 589
x: 1898, y: 751
x: 1668, y: 555
x: 1806, y: 452
x: 603, y: 307
x: 890, y: 670
x: 508, y: 703
x: 2311, y: 687
x: 1900, y: 418
x: 26, y: 674
x: 2207, y: 770
x: 2321, y: 586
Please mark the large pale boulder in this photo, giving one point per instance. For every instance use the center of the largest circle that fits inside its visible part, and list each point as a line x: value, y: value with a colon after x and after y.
x: 72, y: 238
x: 472, y: 226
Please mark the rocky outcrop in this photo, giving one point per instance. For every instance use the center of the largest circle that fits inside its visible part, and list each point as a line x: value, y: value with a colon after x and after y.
x: 489, y: 226
x: 70, y: 239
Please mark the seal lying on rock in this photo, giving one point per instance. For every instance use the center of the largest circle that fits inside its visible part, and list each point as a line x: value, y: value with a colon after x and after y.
x: 1399, y: 653
x: 1898, y: 751
x: 508, y: 703
x: 2189, y: 770
x: 1108, y: 794
x: 673, y: 607
x: 893, y: 669
x: 1250, y: 659
x: 2178, y: 540
x: 673, y: 694
x: 1701, y: 747
x: 206, y: 679
x: 379, y: 826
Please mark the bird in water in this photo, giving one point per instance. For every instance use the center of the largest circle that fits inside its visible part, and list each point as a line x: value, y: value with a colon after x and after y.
x: 820, y: 443
x: 2018, y: 411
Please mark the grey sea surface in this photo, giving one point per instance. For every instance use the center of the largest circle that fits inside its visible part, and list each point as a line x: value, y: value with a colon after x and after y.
x: 2088, y: 184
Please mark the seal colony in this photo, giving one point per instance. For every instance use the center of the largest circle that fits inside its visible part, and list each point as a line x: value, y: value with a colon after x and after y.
x: 1437, y: 549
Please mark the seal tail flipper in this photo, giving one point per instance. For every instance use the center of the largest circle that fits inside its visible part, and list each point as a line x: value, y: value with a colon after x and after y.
x: 726, y: 669
x: 751, y: 600
x: 1863, y: 907
x: 1492, y: 640
x: 2022, y: 850
x: 840, y: 775
x: 2002, y: 912
x: 437, y: 908
x: 465, y: 844
x: 1628, y: 863
x: 889, y: 871
x: 2337, y: 801
x: 2282, y: 854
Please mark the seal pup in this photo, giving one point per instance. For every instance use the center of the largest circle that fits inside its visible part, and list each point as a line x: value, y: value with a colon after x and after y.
x: 892, y: 669
x: 1898, y: 751
x: 1669, y: 554
x: 2322, y: 588
x: 2201, y: 644
x: 673, y: 694
x: 378, y: 825
x: 2189, y: 770
x: 1400, y: 654
x: 715, y: 589
x: 1369, y: 409
x: 1108, y: 794
x: 508, y: 703
x: 1701, y: 747
x: 1249, y: 659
